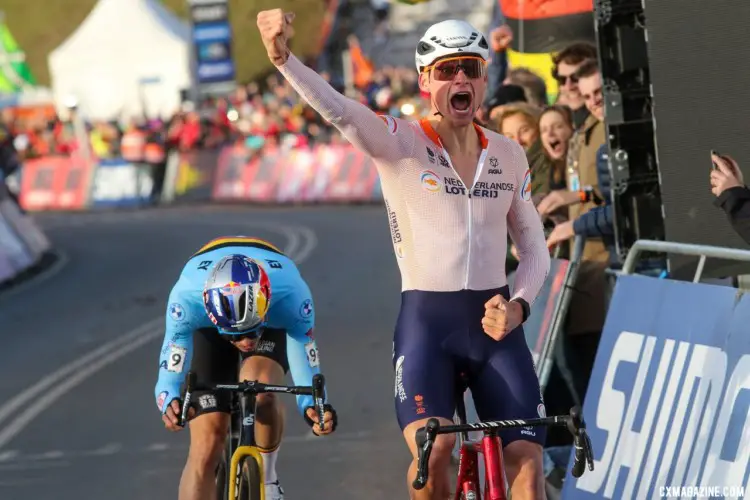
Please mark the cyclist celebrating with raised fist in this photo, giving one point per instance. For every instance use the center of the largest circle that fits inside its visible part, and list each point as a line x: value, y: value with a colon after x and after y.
x: 453, y: 192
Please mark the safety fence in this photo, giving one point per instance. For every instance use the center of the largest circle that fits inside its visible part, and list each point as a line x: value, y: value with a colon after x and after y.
x: 22, y: 244
x: 322, y: 174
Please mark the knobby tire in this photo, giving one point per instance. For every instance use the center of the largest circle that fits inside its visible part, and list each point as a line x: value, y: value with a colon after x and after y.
x: 250, y: 480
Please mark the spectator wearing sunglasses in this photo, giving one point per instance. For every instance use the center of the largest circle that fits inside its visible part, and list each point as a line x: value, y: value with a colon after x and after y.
x: 565, y: 65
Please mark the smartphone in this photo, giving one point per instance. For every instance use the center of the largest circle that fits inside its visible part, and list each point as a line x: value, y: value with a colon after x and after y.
x: 713, y: 164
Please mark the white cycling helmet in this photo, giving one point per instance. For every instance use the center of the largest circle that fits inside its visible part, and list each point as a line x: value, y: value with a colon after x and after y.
x: 452, y: 37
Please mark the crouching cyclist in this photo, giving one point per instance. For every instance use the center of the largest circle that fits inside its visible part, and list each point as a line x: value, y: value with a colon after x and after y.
x: 236, y: 296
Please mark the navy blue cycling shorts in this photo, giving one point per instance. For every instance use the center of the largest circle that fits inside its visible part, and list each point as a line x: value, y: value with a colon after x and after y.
x: 438, y: 337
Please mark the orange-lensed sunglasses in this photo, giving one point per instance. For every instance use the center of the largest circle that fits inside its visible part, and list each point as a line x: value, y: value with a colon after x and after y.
x: 447, y: 69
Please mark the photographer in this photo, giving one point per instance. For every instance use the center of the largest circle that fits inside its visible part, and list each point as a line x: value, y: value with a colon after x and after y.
x: 731, y: 193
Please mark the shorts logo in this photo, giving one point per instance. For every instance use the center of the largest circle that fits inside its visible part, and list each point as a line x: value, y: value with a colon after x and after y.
x: 526, y: 187
x: 400, y: 392
x: 161, y: 399
x: 207, y: 401
x: 306, y: 309
x: 265, y: 346
x: 430, y: 181
x: 176, y: 312
x: 419, y: 402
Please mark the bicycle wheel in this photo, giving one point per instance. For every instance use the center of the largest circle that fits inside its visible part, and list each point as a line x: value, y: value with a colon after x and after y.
x: 250, y: 480
x: 221, y: 479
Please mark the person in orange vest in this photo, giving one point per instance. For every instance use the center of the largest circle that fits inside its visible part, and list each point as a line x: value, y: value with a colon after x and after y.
x: 133, y: 144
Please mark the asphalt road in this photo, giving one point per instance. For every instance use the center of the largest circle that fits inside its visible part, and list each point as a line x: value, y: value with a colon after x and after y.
x: 77, y: 367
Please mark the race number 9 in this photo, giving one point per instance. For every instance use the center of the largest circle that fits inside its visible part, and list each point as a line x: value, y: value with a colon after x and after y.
x: 312, y: 354
x: 176, y: 359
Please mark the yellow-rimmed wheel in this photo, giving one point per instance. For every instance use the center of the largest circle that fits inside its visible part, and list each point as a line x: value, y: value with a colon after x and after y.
x: 250, y: 484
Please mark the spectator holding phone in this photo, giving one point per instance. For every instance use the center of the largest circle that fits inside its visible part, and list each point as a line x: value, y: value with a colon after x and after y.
x: 732, y: 196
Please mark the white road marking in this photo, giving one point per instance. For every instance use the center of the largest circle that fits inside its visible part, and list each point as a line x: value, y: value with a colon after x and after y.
x: 9, y: 455
x: 47, y: 397
x: 24, y: 397
x: 107, y: 449
x: 53, y: 386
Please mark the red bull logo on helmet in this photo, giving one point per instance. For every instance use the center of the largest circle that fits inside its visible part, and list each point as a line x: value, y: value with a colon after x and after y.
x: 263, y: 296
x: 232, y: 288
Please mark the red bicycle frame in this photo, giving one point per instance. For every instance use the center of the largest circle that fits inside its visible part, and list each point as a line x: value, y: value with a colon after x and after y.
x: 494, y: 470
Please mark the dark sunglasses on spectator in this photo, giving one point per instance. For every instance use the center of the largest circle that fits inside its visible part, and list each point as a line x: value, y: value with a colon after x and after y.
x: 445, y: 69
x: 561, y: 79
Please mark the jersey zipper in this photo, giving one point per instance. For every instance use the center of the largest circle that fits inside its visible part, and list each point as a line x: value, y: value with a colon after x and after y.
x: 470, y: 222
x: 480, y: 165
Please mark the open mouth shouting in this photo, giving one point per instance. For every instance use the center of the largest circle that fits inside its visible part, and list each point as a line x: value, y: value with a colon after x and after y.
x: 461, y: 104
x: 555, y: 147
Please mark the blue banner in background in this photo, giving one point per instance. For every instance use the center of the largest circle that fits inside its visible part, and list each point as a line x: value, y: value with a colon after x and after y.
x: 118, y: 183
x: 668, y: 404
x: 212, y: 41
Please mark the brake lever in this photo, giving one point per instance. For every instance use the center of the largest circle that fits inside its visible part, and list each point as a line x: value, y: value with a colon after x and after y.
x: 425, y: 438
x: 318, y: 390
x: 189, y: 385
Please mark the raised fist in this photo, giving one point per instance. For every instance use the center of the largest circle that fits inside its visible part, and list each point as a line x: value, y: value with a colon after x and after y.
x: 275, y: 28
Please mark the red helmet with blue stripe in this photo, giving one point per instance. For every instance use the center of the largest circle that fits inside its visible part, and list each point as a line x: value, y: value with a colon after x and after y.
x: 237, y: 295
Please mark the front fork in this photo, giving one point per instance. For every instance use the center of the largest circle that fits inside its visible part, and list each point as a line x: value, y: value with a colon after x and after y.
x: 467, y: 487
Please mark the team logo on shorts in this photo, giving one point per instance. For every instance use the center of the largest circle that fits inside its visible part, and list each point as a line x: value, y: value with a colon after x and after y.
x: 526, y: 187
x: 541, y: 411
x: 176, y: 312
x: 430, y: 181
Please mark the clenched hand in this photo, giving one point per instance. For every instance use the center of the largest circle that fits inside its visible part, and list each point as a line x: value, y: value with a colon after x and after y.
x: 501, y: 317
x: 275, y: 28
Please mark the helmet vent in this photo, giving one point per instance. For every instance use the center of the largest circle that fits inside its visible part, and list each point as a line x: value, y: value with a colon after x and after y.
x: 424, y: 48
x: 225, y: 306
x: 242, y: 306
x: 483, y: 43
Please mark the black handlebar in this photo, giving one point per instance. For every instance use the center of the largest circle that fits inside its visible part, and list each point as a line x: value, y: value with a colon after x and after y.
x: 317, y: 391
x: 584, y: 454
